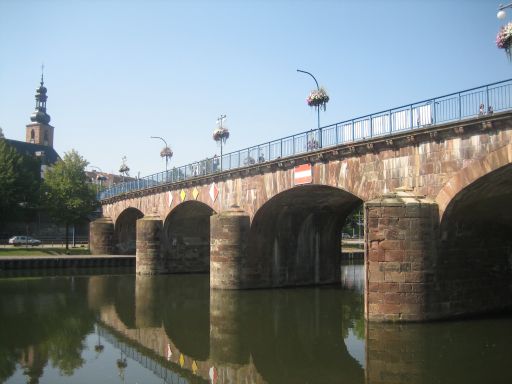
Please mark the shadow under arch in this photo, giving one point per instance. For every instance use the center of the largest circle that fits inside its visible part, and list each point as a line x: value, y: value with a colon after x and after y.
x: 295, y: 237
x: 125, y: 231
x: 474, y: 261
x: 187, y: 238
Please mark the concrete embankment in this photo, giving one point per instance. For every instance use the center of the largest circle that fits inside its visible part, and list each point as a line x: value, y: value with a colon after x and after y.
x: 65, y: 261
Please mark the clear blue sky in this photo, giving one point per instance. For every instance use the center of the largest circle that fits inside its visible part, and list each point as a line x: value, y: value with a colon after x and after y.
x: 118, y: 72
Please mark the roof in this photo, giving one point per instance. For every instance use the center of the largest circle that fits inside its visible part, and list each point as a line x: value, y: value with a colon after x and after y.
x: 50, y: 155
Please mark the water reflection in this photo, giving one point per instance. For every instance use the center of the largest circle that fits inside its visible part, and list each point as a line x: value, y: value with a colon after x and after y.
x: 352, y: 273
x: 173, y: 329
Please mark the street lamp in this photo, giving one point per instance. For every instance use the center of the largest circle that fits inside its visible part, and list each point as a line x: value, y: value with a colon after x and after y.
x: 501, y: 11
x: 124, y: 168
x: 220, y: 135
x: 318, y: 88
x: 165, y: 152
x: 317, y: 99
x: 100, y: 178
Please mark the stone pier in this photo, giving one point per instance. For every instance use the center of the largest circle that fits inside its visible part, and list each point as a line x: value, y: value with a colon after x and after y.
x: 401, y: 234
x: 229, y: 233
x: 101, y: 235
x: 149, y: 259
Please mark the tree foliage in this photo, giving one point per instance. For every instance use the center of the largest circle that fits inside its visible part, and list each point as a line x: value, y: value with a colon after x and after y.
x: 20, y: 181
x: 68, y: 197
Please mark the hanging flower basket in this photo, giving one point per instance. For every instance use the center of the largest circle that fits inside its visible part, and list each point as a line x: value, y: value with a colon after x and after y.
x: 220, y: 134
x: 504, y: 39
x: 318, y: 98
x: 166, y: 152
x: 124, y: 169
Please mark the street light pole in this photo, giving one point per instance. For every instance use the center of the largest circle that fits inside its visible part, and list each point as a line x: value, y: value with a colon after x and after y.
x: 99, y: 178
x: 318, y: 89
x: 221, y: 134
x: 166, y: 147
x: 318, y: 100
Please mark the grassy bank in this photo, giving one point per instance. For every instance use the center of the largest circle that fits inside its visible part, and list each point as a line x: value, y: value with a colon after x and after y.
x: 42, y: 251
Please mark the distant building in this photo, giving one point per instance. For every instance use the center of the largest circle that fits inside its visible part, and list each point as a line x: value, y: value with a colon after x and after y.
x: 39, y: 133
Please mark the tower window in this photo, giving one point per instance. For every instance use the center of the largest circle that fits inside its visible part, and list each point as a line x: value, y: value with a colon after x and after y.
x: 32, y: 135
x: 45, y: 137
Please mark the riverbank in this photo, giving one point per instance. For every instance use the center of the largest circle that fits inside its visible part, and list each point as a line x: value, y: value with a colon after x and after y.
x: 42, y: 251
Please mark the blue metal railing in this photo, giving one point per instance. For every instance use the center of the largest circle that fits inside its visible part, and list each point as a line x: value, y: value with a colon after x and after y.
x: 427, y: 113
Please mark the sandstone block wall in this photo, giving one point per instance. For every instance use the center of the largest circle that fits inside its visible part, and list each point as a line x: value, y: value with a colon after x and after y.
x: 401, y: 235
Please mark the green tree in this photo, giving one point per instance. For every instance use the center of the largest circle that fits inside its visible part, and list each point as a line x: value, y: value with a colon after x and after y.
x: 68, y: 197
x: 20, y: 181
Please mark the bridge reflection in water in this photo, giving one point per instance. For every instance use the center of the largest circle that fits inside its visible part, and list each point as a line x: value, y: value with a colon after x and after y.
x: 174, y: 329
x: 234, y: 336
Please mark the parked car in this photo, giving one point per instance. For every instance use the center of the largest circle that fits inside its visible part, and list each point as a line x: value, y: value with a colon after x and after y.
x: 24, y: 240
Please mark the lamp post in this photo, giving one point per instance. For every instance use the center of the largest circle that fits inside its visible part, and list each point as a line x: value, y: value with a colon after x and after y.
x: 101, y: 178
x: 220, y: 135
x: 317, y: 99
x: 504, y: 36
x: 165, y: 152
x: 501, y: 11
x: 318, y: 89
x: 124, y: 168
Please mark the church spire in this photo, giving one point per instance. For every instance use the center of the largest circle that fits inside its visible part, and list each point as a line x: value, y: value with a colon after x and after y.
x: 40, y: 115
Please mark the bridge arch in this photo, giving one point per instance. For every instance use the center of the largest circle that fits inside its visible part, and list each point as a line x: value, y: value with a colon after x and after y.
x: 474, y: 266
x: 474, y: 171
x: 295, y: 237
x: 187, y: 237
x: 125, y: 231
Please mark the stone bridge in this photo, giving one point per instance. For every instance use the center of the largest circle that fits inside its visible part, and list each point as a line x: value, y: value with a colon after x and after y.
x: 437, y: 221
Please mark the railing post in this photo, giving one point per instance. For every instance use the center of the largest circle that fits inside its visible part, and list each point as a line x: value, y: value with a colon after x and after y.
x: 460, y: 107
x: 319, y: 137
x: 281, y: 149
x: 371, y: 126
x: 337, y: 140
x: 390, y: 122
x: 353, y: 131
x: 487, y: 94
x: 410, y: 109
x: 434, y: 113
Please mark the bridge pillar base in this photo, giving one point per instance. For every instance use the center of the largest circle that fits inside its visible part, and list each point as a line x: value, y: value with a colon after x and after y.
x: 401, y: 235
x: 229, y: 234
x: 101, y: 235
x: 148, y: 247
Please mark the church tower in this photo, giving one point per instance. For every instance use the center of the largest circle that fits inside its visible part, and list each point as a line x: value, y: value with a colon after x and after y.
x: 39, y: 131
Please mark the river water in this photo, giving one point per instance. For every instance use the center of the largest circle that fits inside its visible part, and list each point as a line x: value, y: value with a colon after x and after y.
x: 110, y: 326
